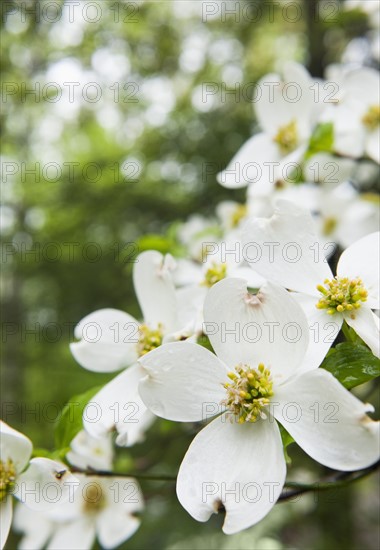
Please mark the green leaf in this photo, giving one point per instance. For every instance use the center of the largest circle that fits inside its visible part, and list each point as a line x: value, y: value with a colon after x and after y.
x: 352, y: 364
x: 286, y: 441
x: 70, y: 422
x: 59, y: 454
x: 204, y: 341
x: 161, y: 243
x: 322, y: 139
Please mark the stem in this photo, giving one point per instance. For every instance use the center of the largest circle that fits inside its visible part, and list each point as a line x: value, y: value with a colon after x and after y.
x: 347, y: 333
x: 315, y: 34
x: 107, y: 473
x: 338, y: 479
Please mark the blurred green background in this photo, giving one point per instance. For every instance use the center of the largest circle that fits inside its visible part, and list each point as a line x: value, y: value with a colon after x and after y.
x: 132, y: 161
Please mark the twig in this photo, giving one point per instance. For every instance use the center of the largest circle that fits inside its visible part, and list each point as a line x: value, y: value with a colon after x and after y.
x: 339, y: 479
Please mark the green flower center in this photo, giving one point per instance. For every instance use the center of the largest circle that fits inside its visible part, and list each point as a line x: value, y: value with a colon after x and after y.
x: 149, y: 339
x: 371, y: 119
x: 94, y: 499
x: 341, y: 294
x: 7, y: 478
x: 214, y: 274
x: 249, y: 392
x: 238, y: 214
x: 287, y: 137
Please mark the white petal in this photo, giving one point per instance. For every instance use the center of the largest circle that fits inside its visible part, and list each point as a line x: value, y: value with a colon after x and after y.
x: 14, y: 446
x: 245, y: 272
x: 327, y: 421
x: 349, y: 133
x: 187, y: 272
x: 274, y: 108
x: 184, y: 382
x: 87, y: 451
x: 268, y: 327
x: 129, y: 496
x: 239, y: 465
x: 323, y: 330
x: 77, y: 535
x: 327, y: 169
x: 36, y: 527
x: 373, y: 146
x: 155, y: 291
x: 362, y: 259
x: 108, y: 340
x: 190, y: 302
x: 366, y: 325
x: 290, y: 166
x: 115, y: 527
x: 5, y: 520
x: 45, y: 483
x: 118, y: 405
x: 363, y: 84
x: 247, y: 166
x: 285, y: 249
x: 116, y: 523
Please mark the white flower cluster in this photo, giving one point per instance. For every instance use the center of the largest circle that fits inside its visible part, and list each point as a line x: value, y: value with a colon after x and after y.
x: 235, y: 330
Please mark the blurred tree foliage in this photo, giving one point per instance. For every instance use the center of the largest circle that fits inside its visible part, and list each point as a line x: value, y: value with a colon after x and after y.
x: 175, y: 106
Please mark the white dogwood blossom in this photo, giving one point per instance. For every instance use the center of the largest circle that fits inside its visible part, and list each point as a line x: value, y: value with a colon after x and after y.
x: 89, y: 452
x: 356, y: 117
x: 111, y: 340
x: 102, y: 508
x: 236, y: 463
x: 39, y: 482
x: 288, y: 253
x: 287, y: 113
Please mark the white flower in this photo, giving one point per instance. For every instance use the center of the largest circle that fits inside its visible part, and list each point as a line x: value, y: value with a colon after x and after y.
x: 102, y: 508
x: 112, y: 340
x: 237, y: 460
x: 290, y: 255
x: 88, y: 452
x: 286, y: 112
x: 31, y: 481
x: 194, y: 232
x: 356, y: 118
x: 356, y: 216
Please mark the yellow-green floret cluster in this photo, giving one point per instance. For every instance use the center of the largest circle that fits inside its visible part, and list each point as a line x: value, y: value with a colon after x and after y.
x: 287, y: 137
x: 94, y: 499
x: 341, y: 294
x: 7, y: 478
x: 239, y: 214
x: 149, y: 339
x: 249, y: 392
x: 214, y: 274
x: 371, y: 119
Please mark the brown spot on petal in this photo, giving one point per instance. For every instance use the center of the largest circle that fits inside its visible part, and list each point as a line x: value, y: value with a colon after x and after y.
x: 365, y: 419
x: 219, y: 507
x: 254, y: 299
